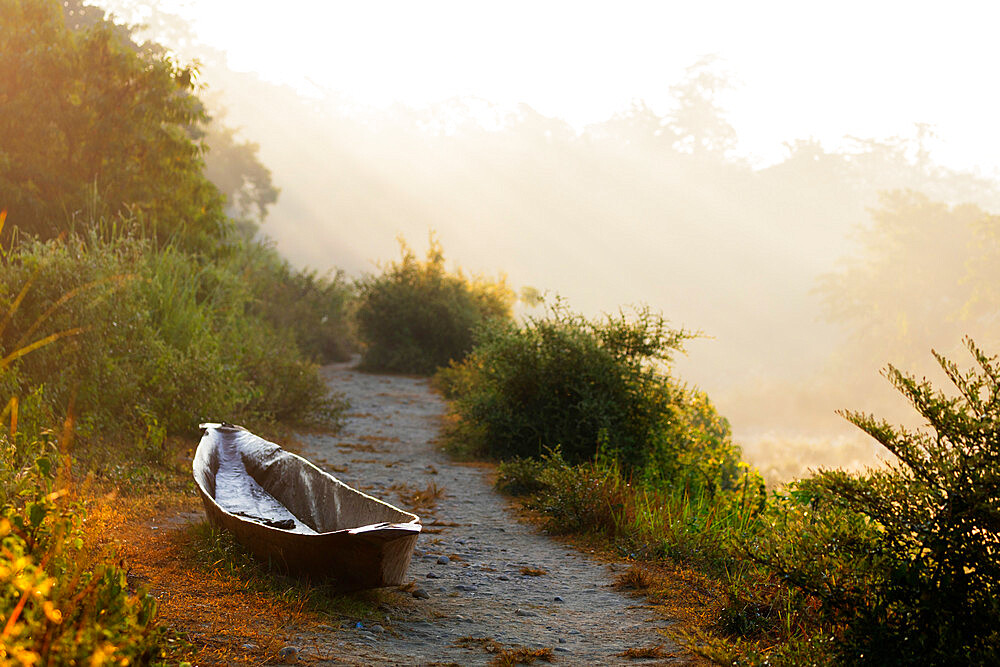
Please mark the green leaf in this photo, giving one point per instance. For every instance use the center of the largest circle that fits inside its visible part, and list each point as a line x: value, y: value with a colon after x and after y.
x: 36, y: 514
x: 44, y: 465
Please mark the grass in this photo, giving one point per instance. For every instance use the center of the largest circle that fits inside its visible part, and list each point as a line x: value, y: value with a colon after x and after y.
x: 635, y: 578
x: 521, y: 655
x: 416, y: 499
x: 222, y: 606
x: 680, y: 543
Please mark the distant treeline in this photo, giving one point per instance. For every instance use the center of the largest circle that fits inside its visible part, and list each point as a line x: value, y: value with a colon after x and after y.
x: 649, y: 206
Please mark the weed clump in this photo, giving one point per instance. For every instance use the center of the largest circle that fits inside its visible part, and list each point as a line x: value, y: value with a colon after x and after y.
x: 312, y: 309
x: 417, y: 499
x: 635, y: 578
x: 506, y: 657
x: 521, y: 655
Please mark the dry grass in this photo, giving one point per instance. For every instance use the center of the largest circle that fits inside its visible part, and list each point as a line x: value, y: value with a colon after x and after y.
x: 515, y: 655
x: 487, y: 644
x: 358, y: 447
x: 408, y: 587
x: 436, y: 526
x: 636, y: 578
x: 637, y: 653
x: 219, y: 619
x: 380, y: 438
x: 521, y: 656
x: 533, y: 571
x: 230, y: 611
x: 419, y: 500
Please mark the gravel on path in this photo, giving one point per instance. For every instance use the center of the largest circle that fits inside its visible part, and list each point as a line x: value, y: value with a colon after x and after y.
x: 476, y: 567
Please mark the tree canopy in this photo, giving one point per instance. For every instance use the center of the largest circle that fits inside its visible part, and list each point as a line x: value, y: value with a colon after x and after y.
x: 92, y: 122
x: 924, y: 277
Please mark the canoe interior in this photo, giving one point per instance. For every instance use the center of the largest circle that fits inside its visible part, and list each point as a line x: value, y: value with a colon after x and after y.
x: 329, y: 530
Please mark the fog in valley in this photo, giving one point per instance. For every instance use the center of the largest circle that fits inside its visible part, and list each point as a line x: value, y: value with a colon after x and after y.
x: 806, y: 275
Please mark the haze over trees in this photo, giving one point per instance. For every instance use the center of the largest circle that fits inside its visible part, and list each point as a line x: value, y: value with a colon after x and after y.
x: 649, y: 207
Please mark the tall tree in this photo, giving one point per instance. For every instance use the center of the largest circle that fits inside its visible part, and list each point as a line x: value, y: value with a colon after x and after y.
x: 699, y: 122
x: 921, y: 278
x: 92, y: 123
x: 234, y: 167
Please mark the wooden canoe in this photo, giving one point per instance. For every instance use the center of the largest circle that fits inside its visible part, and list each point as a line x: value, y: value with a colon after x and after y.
x: 298, y: 518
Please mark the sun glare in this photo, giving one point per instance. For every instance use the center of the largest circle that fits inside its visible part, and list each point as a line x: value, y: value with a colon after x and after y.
x: 856, y: 69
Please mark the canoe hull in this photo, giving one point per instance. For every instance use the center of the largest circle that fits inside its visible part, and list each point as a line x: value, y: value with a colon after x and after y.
x: 359, y: 541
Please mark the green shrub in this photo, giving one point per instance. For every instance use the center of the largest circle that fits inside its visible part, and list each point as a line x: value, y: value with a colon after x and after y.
x: 521, y: 476
x: 563, y: 381
x: 167, y: 338
x: 591, y: 497
x: 284, y: 387
x: 311, y: 309
x: 415, y: 317
x: 904, y: 560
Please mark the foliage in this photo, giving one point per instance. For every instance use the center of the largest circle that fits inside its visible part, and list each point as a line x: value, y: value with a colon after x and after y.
x: 169, y: 341
x: 896, y: 566
x: 61, y: 603
x: 583, y: 498
x: 905, y: 559
x: 640, y: 517
x: 589, y: 386
x: 416, y: 317
x: 312, y: 309
x: 91, y: 119
x: 697, y: 121
x: 522, y: 476
x: 283, y: 386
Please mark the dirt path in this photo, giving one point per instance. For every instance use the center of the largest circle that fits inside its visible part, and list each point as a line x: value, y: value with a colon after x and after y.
x: 468, y: 564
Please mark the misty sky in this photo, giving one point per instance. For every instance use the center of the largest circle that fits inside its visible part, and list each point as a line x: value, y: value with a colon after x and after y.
x: 615, y: 216
x: 823, y: 70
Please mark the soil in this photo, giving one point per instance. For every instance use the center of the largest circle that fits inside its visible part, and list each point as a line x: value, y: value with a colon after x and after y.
x: 483, y: 582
